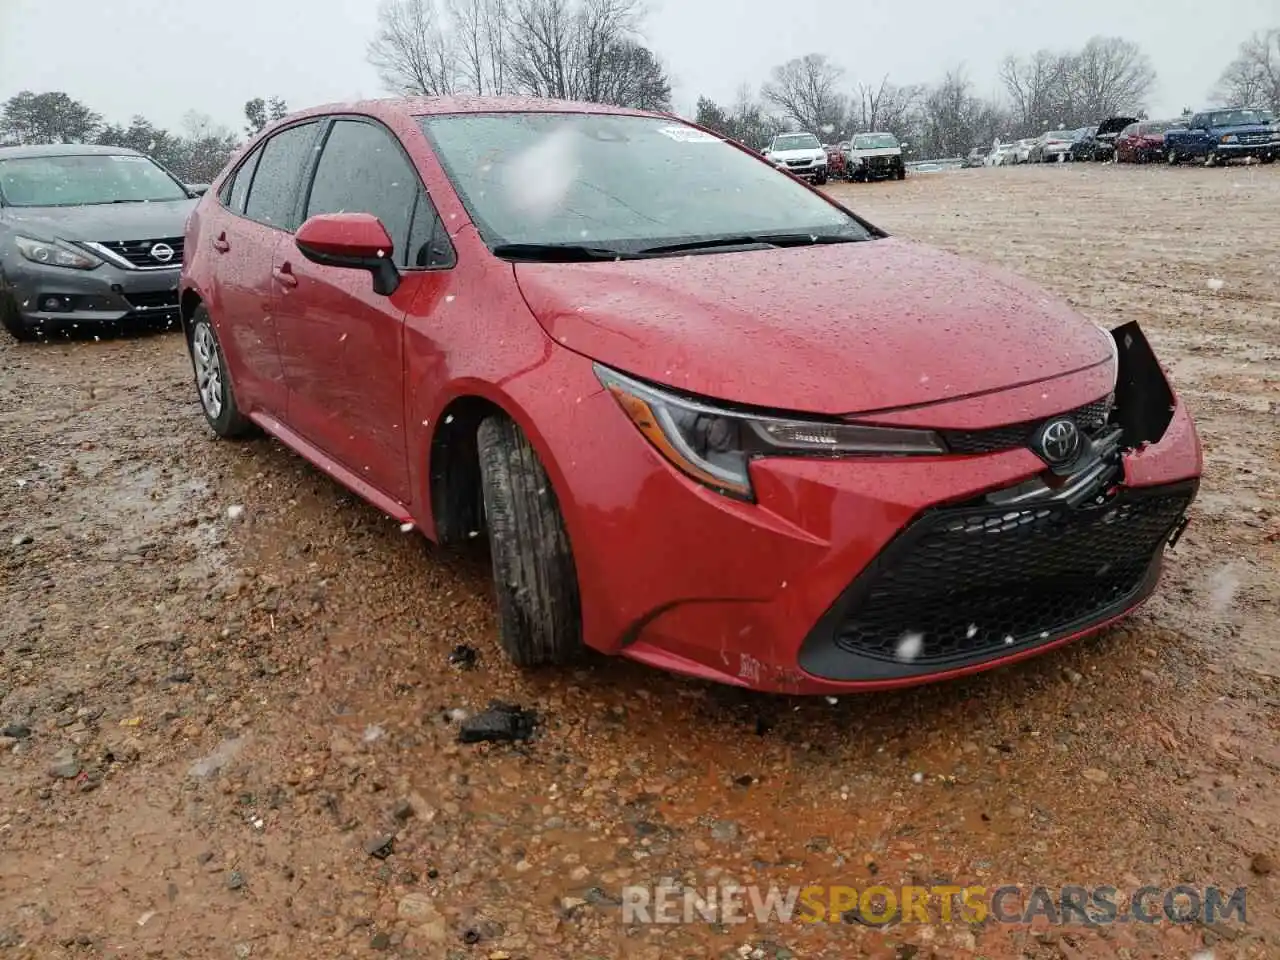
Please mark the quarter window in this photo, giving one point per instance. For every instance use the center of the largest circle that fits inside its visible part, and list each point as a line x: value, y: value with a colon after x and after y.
x: 234, y: 197
x: 274, y: 194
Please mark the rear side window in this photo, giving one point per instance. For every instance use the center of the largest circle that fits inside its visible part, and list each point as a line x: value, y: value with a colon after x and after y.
x: 274, y: 194
x: 235, y: 192
x: 363, y: 170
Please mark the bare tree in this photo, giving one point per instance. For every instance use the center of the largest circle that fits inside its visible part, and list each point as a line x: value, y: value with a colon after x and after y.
x: 952, y: 119
x: 745, y: 121
x: 480, y: 27
x: 410, y: 52
x: 885, y: 107
x: 1041, y: 90
x: 807, y: 91
x: 1252, y: 79
x: 633, y: 77
x: 1110, y: 76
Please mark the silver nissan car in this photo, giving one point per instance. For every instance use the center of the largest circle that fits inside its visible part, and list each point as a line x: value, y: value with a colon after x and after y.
x: 89, y: 236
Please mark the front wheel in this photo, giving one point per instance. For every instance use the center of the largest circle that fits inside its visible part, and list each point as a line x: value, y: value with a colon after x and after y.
x: 539, y: 611
x: 819, y: 179
x: 1268, y: 158
x: 1172, y: 157
x: 902, y: 173
x: 213, y: 381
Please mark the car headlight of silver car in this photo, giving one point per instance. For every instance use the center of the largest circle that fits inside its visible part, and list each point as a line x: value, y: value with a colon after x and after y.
x: 56, y: 254
x: 714, y: 445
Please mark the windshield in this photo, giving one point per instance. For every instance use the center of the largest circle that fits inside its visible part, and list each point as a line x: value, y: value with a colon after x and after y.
x: 1059, y: 135
x: 874, y: 141
x: 796, y: 141
x: 617, y: 181
x: 72, y: 181
x: 1240, y: 118
x: 1153, y: 128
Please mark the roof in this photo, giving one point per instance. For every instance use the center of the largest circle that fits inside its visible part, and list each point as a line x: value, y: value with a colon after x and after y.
x: 429, y: 106
x: 62, y: 150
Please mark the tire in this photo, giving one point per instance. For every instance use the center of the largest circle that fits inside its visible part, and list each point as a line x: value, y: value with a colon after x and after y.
x: 1172, y: 157
x: 1268, y: 158
x: 11, y: 317
x: 902, y: 173
x: 213, y: 380
x: 819, y: 179
x: 539, y: 611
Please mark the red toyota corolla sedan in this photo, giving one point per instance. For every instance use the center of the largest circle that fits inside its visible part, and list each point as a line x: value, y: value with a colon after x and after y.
x: 708, y: 418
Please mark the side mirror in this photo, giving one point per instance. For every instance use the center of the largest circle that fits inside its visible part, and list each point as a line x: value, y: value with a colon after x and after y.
x: 197, y: 189
x: 357, y: 241
x: 905, y: 145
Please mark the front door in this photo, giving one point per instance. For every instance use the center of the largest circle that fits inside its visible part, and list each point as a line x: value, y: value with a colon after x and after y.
x: 341, y: 344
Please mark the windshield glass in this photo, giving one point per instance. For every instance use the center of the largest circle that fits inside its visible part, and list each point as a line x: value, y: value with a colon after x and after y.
x: 874, y: 141
x: 796, y: 141
x: 1153, y: 127
x: 1058, y: 135
x: 70, y: 181
x: 617, y: 181
x: 1239, y: 118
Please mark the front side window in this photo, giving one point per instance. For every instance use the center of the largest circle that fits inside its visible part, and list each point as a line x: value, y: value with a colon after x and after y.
x: 363, y: 170
x: 273, y: 194
x: 88, y: 179
x: 619, y: 182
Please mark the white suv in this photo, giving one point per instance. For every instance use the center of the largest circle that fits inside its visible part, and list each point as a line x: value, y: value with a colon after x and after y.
x: 799, y: 153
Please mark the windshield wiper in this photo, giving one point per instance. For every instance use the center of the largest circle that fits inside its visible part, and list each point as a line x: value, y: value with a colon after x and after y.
x: 556, y: 252
x: 764, y: 239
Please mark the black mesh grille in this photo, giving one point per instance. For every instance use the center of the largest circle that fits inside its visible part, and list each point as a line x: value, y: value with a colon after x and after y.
x: 1090, y: 418
x: 967, y: 583
x: 138, y: 252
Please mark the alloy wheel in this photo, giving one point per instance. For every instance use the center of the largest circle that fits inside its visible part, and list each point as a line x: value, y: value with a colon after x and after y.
x: 208, y: 362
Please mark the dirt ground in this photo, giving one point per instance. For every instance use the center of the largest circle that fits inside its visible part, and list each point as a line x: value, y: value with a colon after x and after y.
x: 229, y: 733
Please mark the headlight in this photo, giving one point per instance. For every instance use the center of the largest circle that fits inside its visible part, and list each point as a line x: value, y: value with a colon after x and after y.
x: 56, y: 254
x: 1230, y: 138
x: 714, y: 445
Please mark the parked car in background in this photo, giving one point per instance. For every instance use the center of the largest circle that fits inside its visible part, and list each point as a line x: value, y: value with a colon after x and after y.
x: 1003, y: 155
x: 1022, y: 150
x: 801, y: 154
x: 836, y: 163
x: 977, y: 157
x: 1142, y: 142
x: 89, y: 237
x: 1053, y: 146
x: 1082, y: 144
x: 374, y: 285
x: 1104, y: 139
x: 875, y: 156
x: 1217, y: 136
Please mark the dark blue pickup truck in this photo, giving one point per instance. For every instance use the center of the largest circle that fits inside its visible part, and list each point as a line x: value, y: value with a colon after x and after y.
x: 1216, y: 136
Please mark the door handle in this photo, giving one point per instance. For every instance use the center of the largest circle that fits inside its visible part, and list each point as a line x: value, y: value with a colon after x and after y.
x: 220, y: 243
x: 284, y: 276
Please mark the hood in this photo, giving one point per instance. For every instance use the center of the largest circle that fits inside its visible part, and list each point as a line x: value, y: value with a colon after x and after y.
x: 842, y: 328
x: 1113, y: 126
x: 102, y: 222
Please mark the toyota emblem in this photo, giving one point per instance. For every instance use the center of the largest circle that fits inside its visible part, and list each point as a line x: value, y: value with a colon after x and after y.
x: 162, y: 253
x: 1060, y: 442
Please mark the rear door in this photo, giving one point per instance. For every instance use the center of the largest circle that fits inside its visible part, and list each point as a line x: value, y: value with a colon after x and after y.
x: 342, y: 345
x: 257, y: 207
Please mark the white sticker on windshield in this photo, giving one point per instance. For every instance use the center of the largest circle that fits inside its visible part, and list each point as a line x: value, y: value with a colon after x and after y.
x: 688, y: 135
x: 125, y: 158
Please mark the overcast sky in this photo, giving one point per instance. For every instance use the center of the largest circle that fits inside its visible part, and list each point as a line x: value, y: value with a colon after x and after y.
x: 162, y: 58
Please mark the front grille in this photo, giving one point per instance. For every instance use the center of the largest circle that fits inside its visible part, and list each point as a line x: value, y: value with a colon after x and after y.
x: 799, y: 163
x: 138, y: 252
x: 157, y: 300
x: 1090, y: 418
x: 968, y: 583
